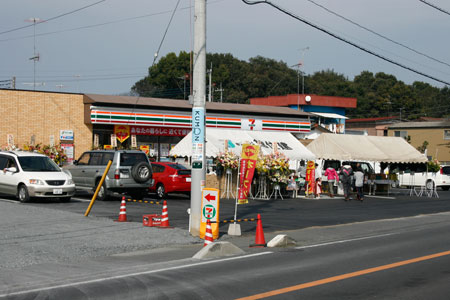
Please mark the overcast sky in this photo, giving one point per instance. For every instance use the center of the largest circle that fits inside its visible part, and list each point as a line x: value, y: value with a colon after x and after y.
x: 107, y: 47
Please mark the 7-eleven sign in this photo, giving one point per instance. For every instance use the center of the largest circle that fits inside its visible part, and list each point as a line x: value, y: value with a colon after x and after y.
x: 251, y: 124
x: 210, y: 211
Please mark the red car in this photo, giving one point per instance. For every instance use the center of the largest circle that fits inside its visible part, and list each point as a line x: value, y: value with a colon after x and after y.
x: 170, y: 177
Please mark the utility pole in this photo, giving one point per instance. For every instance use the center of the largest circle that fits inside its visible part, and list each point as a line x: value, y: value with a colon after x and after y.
x: 13, y: 83
x: 221, y: 92
x: 198, y: 117
x: 35, y: 57
x: 210, y: 84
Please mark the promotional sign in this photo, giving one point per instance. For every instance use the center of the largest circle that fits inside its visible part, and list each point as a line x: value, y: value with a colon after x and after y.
x: 161, y: 131
x: 247, y: 170
x: 310, y: 176
x: 113, y: 140
x: 122, y: 132
x: 96, y: 140
x: 66, y: 135
x: 210, y: 211
x: 68, y: 150
x: 133, y: 141
x: 145, y: 149
x: 10, y: 140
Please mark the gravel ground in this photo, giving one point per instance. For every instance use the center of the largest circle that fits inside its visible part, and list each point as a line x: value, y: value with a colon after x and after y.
x: 33, y: 235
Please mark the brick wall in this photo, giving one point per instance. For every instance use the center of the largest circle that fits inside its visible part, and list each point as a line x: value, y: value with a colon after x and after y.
x: 42, y: 114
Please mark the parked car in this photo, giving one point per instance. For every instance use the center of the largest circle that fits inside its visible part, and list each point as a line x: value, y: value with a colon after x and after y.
x: 130, y: 172
x: 29, y: 175
x: 170, y: 178
x: 417, y: 175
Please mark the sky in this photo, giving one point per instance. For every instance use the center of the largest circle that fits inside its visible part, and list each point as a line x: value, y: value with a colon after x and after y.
x: 104, y: 47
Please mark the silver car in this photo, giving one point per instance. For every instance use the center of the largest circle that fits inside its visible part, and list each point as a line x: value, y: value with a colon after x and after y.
x: 130, y: 172
x: 28, y: 175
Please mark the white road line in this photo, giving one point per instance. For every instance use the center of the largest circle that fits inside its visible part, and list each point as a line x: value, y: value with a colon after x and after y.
x: 345, y: 241
x: 133, y: 274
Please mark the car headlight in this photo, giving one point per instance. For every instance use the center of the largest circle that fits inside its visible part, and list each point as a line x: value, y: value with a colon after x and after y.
x: 70, y: 181
x: 36, y: 181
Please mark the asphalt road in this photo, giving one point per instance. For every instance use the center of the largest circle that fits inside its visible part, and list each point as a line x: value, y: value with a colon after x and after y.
x: 276, y: 215
x: 408, y: 258
x: 334, y: 239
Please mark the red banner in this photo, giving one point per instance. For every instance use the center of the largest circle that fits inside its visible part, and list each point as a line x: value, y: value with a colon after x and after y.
x: 161, y: 131
x: 247, y: 170
x: 310, y: 176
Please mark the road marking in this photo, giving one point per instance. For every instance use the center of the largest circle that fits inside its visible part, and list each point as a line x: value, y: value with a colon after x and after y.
x: 345, y: 241
x: 132, y: 274
x: 344, y: 276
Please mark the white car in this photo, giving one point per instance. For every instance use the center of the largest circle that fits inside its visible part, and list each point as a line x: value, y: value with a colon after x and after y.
x: 420, y: 177
x: 28, y: 175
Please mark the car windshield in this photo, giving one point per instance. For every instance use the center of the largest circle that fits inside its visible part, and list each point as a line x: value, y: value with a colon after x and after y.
x: 177, y: 166
x: 446, y: 170
x: 130, y: 159
x: 38, y: 164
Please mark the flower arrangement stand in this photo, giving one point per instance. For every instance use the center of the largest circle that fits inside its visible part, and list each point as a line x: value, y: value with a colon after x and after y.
x: 262, y: 189
x: 276, y: 192
x: 228, y: 191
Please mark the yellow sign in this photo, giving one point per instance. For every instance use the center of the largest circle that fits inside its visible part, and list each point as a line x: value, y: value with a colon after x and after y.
x: 107, y: 147
x: 122, y: 132
x: 210, y: 211
x: 145, y: 148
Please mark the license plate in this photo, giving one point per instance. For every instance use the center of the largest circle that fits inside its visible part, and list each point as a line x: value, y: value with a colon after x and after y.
x: 57, y: 192
x: 124, y: 175
x: 188, y: 179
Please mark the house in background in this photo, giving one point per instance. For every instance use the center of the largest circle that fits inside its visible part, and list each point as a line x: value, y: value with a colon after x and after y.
x: 436, y: 134
x: 371, y: 126
x: 328, y: 111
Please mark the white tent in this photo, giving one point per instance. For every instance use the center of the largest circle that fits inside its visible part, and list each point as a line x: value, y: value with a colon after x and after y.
x: 365, y: 148
x: 215, y: 143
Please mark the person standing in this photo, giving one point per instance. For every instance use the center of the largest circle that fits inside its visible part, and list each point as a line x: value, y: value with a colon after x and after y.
x: 332, y: 177
x: 359, y: 184
x: 345, y: 176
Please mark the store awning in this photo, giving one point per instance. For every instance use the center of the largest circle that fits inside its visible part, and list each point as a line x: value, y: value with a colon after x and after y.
x: 215, y: 143
x: 365, y: 148
x: 329, y: 115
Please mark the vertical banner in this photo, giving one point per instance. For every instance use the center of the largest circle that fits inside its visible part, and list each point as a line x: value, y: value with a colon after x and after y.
x: 133, y: 141
x: 310, y: 177
x: 247, y: 170
x: 96, y: 140
x: 113, y: 141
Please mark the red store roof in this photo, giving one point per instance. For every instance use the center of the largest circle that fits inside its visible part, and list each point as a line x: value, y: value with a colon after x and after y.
x: 294, y: 99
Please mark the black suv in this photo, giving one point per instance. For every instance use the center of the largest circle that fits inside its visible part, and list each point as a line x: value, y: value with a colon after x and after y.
x: 130, y: 172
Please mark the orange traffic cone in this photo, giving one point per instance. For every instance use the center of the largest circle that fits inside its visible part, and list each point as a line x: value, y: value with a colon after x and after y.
x: 165, y: 215
x: 208, y: 234
x: 123, y: 211
x: 259, y: 238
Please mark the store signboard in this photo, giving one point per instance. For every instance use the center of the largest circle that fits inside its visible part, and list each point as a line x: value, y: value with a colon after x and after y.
x: 66, y: 135
x: 159, y: 131
x: 210, y: 211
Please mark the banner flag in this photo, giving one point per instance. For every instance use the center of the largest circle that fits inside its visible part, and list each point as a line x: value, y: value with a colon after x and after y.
x: 247, y: 170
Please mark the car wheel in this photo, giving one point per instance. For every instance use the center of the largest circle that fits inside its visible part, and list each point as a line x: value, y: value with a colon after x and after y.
x: 103, y: 193
x: 429, y: 185
x: 141, y: 172
x: 22, y: 194
x: 160, y: 191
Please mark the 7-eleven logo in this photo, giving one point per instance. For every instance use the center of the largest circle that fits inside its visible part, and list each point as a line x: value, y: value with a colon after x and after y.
x: 251, y: 123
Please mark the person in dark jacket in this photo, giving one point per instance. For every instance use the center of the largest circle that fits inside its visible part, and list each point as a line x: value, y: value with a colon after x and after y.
x: 345, y: 176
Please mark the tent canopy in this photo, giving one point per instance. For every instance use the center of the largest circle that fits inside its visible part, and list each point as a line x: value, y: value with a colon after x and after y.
x: 215, y: 143
x: 368, y: 148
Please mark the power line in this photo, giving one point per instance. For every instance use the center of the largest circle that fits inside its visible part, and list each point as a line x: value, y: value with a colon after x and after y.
x: 54, y: 18
x: 436, y: 7
x: 378, y: 34
x: 344, y: 40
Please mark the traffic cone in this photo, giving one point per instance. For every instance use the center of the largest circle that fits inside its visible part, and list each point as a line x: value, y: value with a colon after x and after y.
x: 259, y: 238
x: 208, y: 234
x: 165, y: 215
x: 123, y: 211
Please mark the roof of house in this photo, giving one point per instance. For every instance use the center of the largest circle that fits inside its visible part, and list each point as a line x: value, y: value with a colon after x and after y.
x: 299, y: 99
x: 183, y: 105
x: 438, y: 124
x: 366, y: 120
